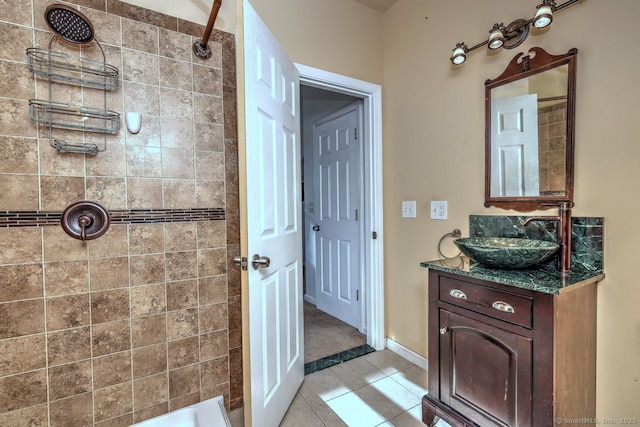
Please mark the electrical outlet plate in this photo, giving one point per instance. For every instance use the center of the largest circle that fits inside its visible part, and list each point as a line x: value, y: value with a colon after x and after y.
x: 438, y: 210
x: 409, y: 209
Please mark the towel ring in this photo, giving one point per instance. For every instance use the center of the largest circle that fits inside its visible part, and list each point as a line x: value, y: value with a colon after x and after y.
x: 455, y: 233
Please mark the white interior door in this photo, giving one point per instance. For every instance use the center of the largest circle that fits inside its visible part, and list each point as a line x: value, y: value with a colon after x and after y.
x: 273, y: 222
x: 337, y: 200
x: 514, y: 146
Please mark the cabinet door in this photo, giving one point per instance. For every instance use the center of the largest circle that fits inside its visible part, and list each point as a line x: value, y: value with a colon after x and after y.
x: 485, y: 372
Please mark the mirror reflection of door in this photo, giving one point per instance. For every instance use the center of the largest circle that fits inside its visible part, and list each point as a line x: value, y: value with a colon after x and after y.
x: 515, y: 167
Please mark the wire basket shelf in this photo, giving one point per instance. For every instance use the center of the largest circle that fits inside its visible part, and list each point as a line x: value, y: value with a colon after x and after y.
x: 60, y: 67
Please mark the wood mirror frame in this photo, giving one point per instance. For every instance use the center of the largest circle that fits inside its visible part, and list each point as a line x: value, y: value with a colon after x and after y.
x: 536, y: 62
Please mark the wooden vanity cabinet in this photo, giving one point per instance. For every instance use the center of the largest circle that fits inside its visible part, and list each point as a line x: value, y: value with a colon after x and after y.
x: 506, y: 356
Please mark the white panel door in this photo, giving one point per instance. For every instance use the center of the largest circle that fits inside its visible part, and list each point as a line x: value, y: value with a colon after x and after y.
x: 514, y: 146
x: 273, y: 223
x: 337, y: 195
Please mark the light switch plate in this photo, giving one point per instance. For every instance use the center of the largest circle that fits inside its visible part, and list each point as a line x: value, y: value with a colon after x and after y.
x: 409, y: 209
x: 438, y: 209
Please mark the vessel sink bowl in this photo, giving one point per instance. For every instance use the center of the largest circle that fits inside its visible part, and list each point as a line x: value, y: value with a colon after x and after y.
x: 506, y: 252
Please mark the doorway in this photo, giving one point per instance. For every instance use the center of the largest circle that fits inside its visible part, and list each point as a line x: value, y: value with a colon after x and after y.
x: 322, y: 94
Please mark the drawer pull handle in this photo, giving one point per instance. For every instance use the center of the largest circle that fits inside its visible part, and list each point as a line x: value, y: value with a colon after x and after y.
x: 456, y: 293
x: 503, y: 306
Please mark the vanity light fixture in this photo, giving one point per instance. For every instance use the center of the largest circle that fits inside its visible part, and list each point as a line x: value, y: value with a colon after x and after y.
x: 515, y: 33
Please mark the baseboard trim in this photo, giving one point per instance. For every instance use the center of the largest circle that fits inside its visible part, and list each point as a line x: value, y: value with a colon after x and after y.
x: 408, y: 354
x: 310, y: 299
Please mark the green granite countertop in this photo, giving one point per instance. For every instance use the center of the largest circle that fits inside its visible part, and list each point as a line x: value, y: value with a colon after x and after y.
x: 540, y: 279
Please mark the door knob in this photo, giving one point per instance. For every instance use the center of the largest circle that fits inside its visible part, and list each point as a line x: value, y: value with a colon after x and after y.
x: 316, y: 228
x: 260, y: 262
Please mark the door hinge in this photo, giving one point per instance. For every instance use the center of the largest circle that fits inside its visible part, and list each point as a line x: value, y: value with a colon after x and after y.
x: 355, y: 133
x: 357, y: 294
x: 374, y: 235
x: 357, y: 216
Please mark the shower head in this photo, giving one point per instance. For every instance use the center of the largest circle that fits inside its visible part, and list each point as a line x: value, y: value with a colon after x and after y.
x: 69, y: 24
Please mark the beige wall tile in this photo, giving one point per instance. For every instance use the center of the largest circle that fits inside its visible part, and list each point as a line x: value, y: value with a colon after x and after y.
x: 179, y: 193
x: 183, y: 353
x: 208, y: 109
x: 182, y: 324
x: 113, y: 402
x: 58, y: 192
x: 175, y: 45
x: 148, y: 300
x: 177, y: 134
x: 182, y: 295
x: 181, y: 265
x: 58, y: 246
x: 150, y: 391
x: 149, y: 135
x: 207, y: 80
x: 186, y: 400
x: 112, y: 369
x: 177, y: 163
x: 68, y: 345
x: 210, y: 193
x: 147, y: 269
x: 19, y: 191
x: 69, y: 311
x: 149, y: 360
x: 109, y: 192
x: 144, y: 193
x: 211, y: 234
x: 209, y: 136
x: 66, y: 277
x: 19, y: 156
x: 210, y: 165
x: 22, y: 354
x: 21, y: 318
x: 149, y: 330
x: 212, y: 289
x: 16, y: 11
x: 20, y: 245
x: 214, y: 372
x: 142, y: 98
x: 213, y: 317
x: 144, y: 162
x: 108, y: 306
x: 139, y: 36
x: 54, y: 162
x: 180, y: 236
x: 176, y: 104
x: 176, y: 74
x: 31, y: 416
x: 15, y: 82
x: 18, y: 282
x: 212, y: 262
x: 214, y: 345
x: 183, y: 381
x: 23, y: 390
x: 112, y: 243
x: 111, y: 337
x: 140, y: 67
x: 72, y: 411
x: 151, y: 411
x: 122, y: 421
x: 146, y: 238
x: 14, y: 39
x: 69, y: 380
x: 109, y: 273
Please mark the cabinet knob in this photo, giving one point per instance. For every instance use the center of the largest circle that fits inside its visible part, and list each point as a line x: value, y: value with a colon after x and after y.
x: 444, y: 331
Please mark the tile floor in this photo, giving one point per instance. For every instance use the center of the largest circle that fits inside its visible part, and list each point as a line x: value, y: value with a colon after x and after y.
x: 377, y: 389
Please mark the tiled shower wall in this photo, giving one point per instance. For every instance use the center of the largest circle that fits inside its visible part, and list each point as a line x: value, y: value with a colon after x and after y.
x: 145, y: 319
x: 552, y: 155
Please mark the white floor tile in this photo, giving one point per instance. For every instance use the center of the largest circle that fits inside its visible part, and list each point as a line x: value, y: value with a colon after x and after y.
x: 388, y: 397
x: 348, y: 410
x: 357, y: 373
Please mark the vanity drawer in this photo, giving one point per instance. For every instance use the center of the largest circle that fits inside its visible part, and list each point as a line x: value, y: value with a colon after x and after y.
x: 502, y: 305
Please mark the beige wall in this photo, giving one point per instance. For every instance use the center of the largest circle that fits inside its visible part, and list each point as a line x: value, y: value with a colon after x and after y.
x: 433, y: 136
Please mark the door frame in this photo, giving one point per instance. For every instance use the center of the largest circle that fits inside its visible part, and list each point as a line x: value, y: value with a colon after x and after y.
x: 373, y: 254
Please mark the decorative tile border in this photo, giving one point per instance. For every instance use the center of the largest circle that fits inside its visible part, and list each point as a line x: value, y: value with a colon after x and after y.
x: 335, y: 359
x: 125, y: 216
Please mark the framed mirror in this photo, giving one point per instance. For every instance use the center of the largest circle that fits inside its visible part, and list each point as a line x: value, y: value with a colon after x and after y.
x: 529, y: 132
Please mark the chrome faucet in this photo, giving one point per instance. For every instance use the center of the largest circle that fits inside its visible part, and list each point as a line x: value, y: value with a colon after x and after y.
x: 564, y: 233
